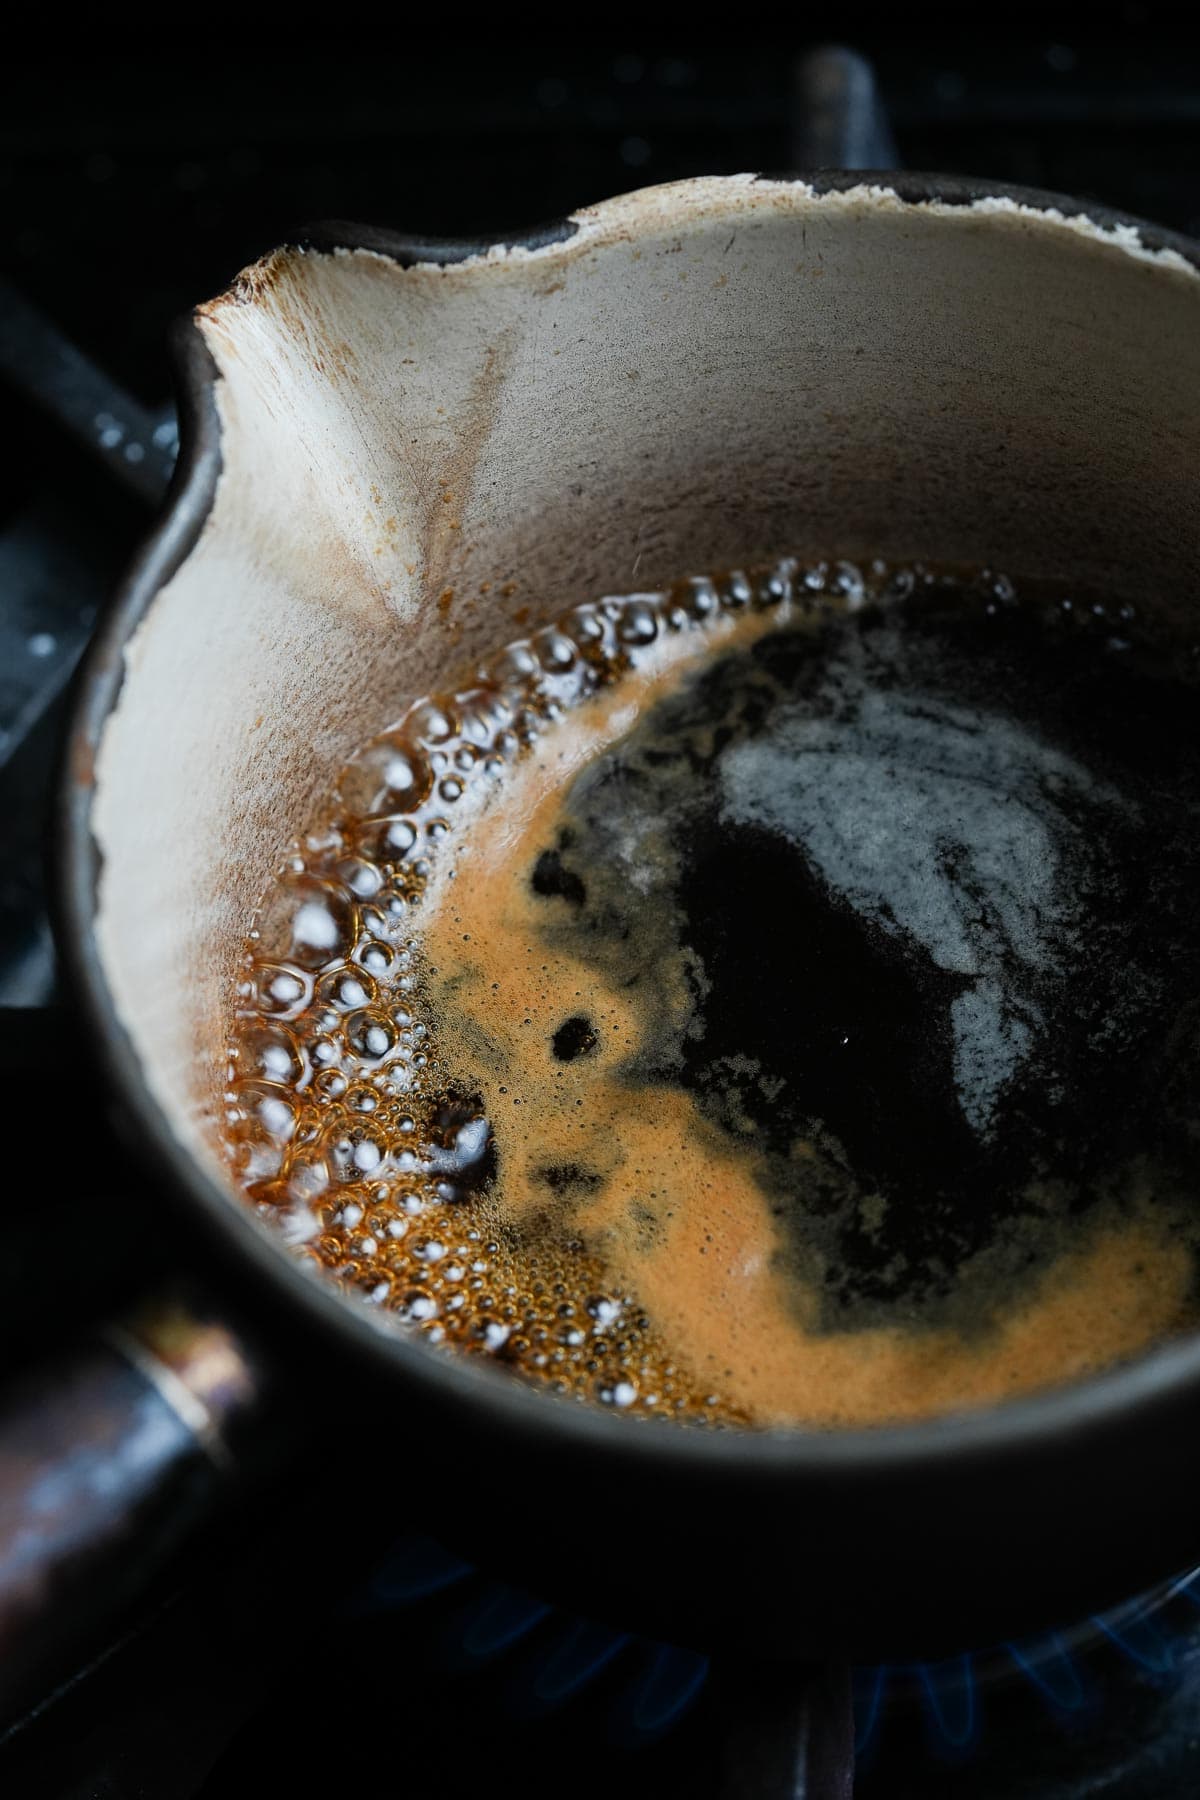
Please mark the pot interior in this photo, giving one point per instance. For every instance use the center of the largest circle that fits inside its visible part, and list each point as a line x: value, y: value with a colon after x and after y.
x: 420, y: 462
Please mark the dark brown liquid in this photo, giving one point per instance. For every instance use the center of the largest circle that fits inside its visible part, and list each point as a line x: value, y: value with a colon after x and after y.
x: 786, y: 990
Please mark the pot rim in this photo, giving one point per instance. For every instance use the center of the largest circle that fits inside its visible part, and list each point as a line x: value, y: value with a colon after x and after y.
x: 1167, y: 1376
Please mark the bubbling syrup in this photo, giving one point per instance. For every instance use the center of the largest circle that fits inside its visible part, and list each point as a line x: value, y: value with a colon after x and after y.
x: 770, y: 1000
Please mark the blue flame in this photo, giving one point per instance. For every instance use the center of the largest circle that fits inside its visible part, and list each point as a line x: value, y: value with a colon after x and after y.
x: 1188, y: 1586
x: 949, y: 1689
x: 1049, y: 1667
x: 574, y: 1660
x: 662, y: 1691
x: 870, y: 1685
x: 412, y: 1570
x: 1142, y: 1641
x: 500, y: 1618
x: 656, y: 1684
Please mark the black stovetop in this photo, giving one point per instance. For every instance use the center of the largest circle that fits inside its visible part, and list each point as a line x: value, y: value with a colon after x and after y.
x: 133, y: 187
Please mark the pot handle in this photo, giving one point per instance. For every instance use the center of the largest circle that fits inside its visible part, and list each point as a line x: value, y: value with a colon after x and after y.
x: 786, y: 1731
x: 109, y: 1457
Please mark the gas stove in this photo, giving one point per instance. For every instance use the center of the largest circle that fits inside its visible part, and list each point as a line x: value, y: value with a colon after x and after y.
x: 255, y: 1661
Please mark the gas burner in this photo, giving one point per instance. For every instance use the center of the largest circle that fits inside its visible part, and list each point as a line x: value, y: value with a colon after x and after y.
x: 1072, y: 1691
x: 484, y: 1621
x: 1071, y: 1687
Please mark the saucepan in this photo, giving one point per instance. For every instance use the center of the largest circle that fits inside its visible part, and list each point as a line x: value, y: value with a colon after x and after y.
x: 397, y: 454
